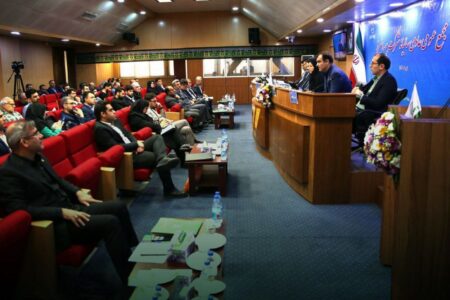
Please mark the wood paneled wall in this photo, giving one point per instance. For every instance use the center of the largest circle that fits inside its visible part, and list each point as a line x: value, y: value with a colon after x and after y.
x: 37, y: 57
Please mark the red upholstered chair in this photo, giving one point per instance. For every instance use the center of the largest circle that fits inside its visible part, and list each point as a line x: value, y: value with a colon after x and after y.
x: 42, y: 99
x: 51, y: 101
x: 14, y: 231
x: 109, y: 99
x: 84, y: 175
x: 59, y: 95
x: 80, y: 144
x: 55, y: 115
x: 19, y: 109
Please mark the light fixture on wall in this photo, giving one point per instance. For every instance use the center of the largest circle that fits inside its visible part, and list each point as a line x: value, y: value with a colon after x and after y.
x: 142, y: 12
x: 327, y: 30
x: 65, y: 40
x: 121, y: 1
x: 299, y: 31
x: 164, y: 1
x: 98, y: 44
x: 396, y: 4
x: 235, y: 8
x: 320, y: 20
x: 15, y: 33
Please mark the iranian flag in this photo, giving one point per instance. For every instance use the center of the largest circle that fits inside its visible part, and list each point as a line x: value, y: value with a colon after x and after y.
x: 358, y: 72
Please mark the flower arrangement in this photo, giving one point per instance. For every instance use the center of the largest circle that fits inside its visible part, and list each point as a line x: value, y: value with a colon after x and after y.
x: 382, y: 146
x: 264, y: 95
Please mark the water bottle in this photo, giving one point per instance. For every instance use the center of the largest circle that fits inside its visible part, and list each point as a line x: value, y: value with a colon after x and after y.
x: 157, y: 294
x: 217, y: 209
x: 208, y: 272
x: 210, y: 256
x: 224, y: 136
x: 223, y: 150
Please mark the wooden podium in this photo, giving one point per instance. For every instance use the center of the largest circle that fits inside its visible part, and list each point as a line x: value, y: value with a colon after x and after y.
x: 421, y: 252
x: 309, y: 142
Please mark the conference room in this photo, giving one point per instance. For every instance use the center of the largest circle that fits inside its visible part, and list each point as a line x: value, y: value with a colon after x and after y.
x: 224, y: 149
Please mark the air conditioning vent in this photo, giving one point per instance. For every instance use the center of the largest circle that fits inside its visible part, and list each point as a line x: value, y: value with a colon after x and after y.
x: 89, y: 16
x: 122, y: 27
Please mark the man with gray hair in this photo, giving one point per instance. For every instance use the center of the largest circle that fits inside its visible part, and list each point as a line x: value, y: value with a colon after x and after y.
x: 7, y: 106
x: 71, y: 116
x: 28, y: 182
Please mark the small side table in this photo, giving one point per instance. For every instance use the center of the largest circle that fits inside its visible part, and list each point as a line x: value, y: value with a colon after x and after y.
x: 223, y: 117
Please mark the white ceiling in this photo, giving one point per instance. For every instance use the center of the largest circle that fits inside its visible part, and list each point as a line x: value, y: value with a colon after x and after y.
x: 62, y: 18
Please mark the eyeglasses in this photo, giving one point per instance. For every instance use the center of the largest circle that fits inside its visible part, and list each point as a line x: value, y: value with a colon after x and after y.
x: 110, y: 109
x: 34, y: 134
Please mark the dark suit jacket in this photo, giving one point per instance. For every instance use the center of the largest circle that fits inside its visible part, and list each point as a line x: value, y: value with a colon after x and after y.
x: 316, y: 82
x: 336, y: 81
x: 159, y: 90
x: 138, y: 121
x: 4, y: 149
x: 22, y: 187
x: 119, y: 103
x: 106, y: 137
x: 171, y: 101
x: 198, y: 91
x: 88, y: 112
x: 382, y: 95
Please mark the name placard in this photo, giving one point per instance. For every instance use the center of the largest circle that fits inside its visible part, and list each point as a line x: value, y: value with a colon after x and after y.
x: 293, y: 96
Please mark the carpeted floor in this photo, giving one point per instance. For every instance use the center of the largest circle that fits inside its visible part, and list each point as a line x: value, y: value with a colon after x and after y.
x: 279, y: 245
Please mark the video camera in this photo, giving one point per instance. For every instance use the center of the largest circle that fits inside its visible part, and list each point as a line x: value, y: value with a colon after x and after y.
x: 17, y: 65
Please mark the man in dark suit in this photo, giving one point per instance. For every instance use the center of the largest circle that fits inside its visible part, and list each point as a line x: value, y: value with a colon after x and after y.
x: 335, y: 80
x: 120, y: 100
x: 28, y: 182
x: 198, y: 87
x: 88, y: 105
x: 375, y: 96
x: 4, y: 147
x: 151, y: 153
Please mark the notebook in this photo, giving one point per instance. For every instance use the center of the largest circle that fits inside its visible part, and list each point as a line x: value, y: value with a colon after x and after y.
x: 199, y: 156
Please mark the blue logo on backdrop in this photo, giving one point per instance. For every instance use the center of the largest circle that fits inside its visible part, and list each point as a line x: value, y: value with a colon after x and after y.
x: 415, y: 39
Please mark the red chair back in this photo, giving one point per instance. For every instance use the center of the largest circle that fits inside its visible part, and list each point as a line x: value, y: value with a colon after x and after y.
x: 51, y: 100
x: 143, y: 92
x: 122, y: 115
x: 55, y: 151
x: 161, y: 98
x: 80, y: 143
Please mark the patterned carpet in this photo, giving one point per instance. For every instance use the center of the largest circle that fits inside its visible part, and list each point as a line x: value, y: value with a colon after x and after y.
x: 279, y: 245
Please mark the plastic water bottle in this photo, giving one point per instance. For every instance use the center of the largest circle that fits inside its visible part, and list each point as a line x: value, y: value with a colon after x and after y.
x: 157, y: 294
x: 208, y: 272
x: 210, y: 256
x: 217, y: 209
x: 224, y: 136
x: 224, y: 150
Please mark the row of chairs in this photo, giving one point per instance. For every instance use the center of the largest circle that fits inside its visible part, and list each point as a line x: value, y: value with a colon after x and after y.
x: 74, y: 157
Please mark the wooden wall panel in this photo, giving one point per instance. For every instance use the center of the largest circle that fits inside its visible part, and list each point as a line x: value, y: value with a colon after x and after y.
x: 86, y: 73
x: 194, y: 68
x: 37, y: 57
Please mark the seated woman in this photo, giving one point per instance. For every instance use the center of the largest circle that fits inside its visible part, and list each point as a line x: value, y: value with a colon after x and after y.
x: 316, y: 77
x: 174, y: 138
x: 36, y: 113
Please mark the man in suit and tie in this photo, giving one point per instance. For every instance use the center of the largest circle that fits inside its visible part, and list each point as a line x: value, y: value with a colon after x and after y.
x: 335, y: 80
x: 375, y: 96
x: 151, y: 153
x: 28, y: 182
x: 303, y: 83
x: 198, y: 87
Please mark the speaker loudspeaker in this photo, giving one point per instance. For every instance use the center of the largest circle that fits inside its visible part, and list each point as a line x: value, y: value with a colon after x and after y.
x: 130, y: 37
x: 253, y: 36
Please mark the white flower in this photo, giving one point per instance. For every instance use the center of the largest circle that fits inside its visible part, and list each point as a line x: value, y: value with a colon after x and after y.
x: 388, y: 116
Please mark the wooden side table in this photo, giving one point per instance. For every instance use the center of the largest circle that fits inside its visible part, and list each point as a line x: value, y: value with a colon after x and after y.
x: 223, y: 117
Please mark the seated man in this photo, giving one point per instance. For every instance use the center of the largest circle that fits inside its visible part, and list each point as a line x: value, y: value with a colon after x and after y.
x: 120, y: 100
x: 172, y: 99
x: 28, y: 182
x: 198, y: 87
x: 7, y: 106
x: 335, y: 79
x: 42, y: 90
x: 108, y: 131
x: 88, y: 106
x: 375, y: 96
x: 4, y: 147
x: 32, y: 97
x: 106, y: 90
x: 136, y: 90
x: 188, y: 101
x: 71, y: 116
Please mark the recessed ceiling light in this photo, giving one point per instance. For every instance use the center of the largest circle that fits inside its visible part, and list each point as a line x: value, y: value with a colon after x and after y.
x: 359, y: 1
x: 121, y: 1
x: 327, y: 30
x: 15, y: 33
x: 396, y: 4
x: 98, y: 44
x: 235, y: 8
x: 299, y: 31
x: 142, y: 12
x: 350, y: 22
x: 369, y: 15
x: 164, y: 1
x: 65, y: 40
x: 278, y: 44
x: 161, y: 23
x: 320, y: 20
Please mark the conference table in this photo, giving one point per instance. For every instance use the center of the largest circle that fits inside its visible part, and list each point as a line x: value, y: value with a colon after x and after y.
x: 308, y: 138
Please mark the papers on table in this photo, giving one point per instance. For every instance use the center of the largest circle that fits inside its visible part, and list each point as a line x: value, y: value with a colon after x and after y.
x: 172, y: 226
x: 151, y: 252
x: 152, y: 277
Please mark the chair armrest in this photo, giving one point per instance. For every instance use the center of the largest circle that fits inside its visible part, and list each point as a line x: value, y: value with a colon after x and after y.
x: 107, y: 189
x: 174, y: 116
x: 125, y: 172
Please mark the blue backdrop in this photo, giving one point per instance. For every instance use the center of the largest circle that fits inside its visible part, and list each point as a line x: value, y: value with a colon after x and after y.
x: 417, y: 42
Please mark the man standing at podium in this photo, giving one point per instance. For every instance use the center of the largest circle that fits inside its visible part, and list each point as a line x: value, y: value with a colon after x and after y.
x: 335, y: 80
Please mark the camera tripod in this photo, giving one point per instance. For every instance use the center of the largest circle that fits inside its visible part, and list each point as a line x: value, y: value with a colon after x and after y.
x: 18, y: 83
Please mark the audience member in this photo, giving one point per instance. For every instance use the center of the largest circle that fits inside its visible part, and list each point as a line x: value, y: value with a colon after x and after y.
x: 198, y: 87
x: 28, y: 182
x: 29, y: 86
x: 151, y: 153
x: 106, y: 91
x: 151, y: 87
x: 303, y: 83
x: 4, y: 147
x: 120, y: 101
x: 71, y: 116
x: 42, y: 90
x: 7, y: 106
x: 159, y: 86
x: 188, y: 101
x: 182, y: 126
x: 52, y: 89
x: 32, y: 97
x: 136, y: 90
x: 88, y: 106
x: 335, y: 80
x: 36, y: 113
x: 172, y: 99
